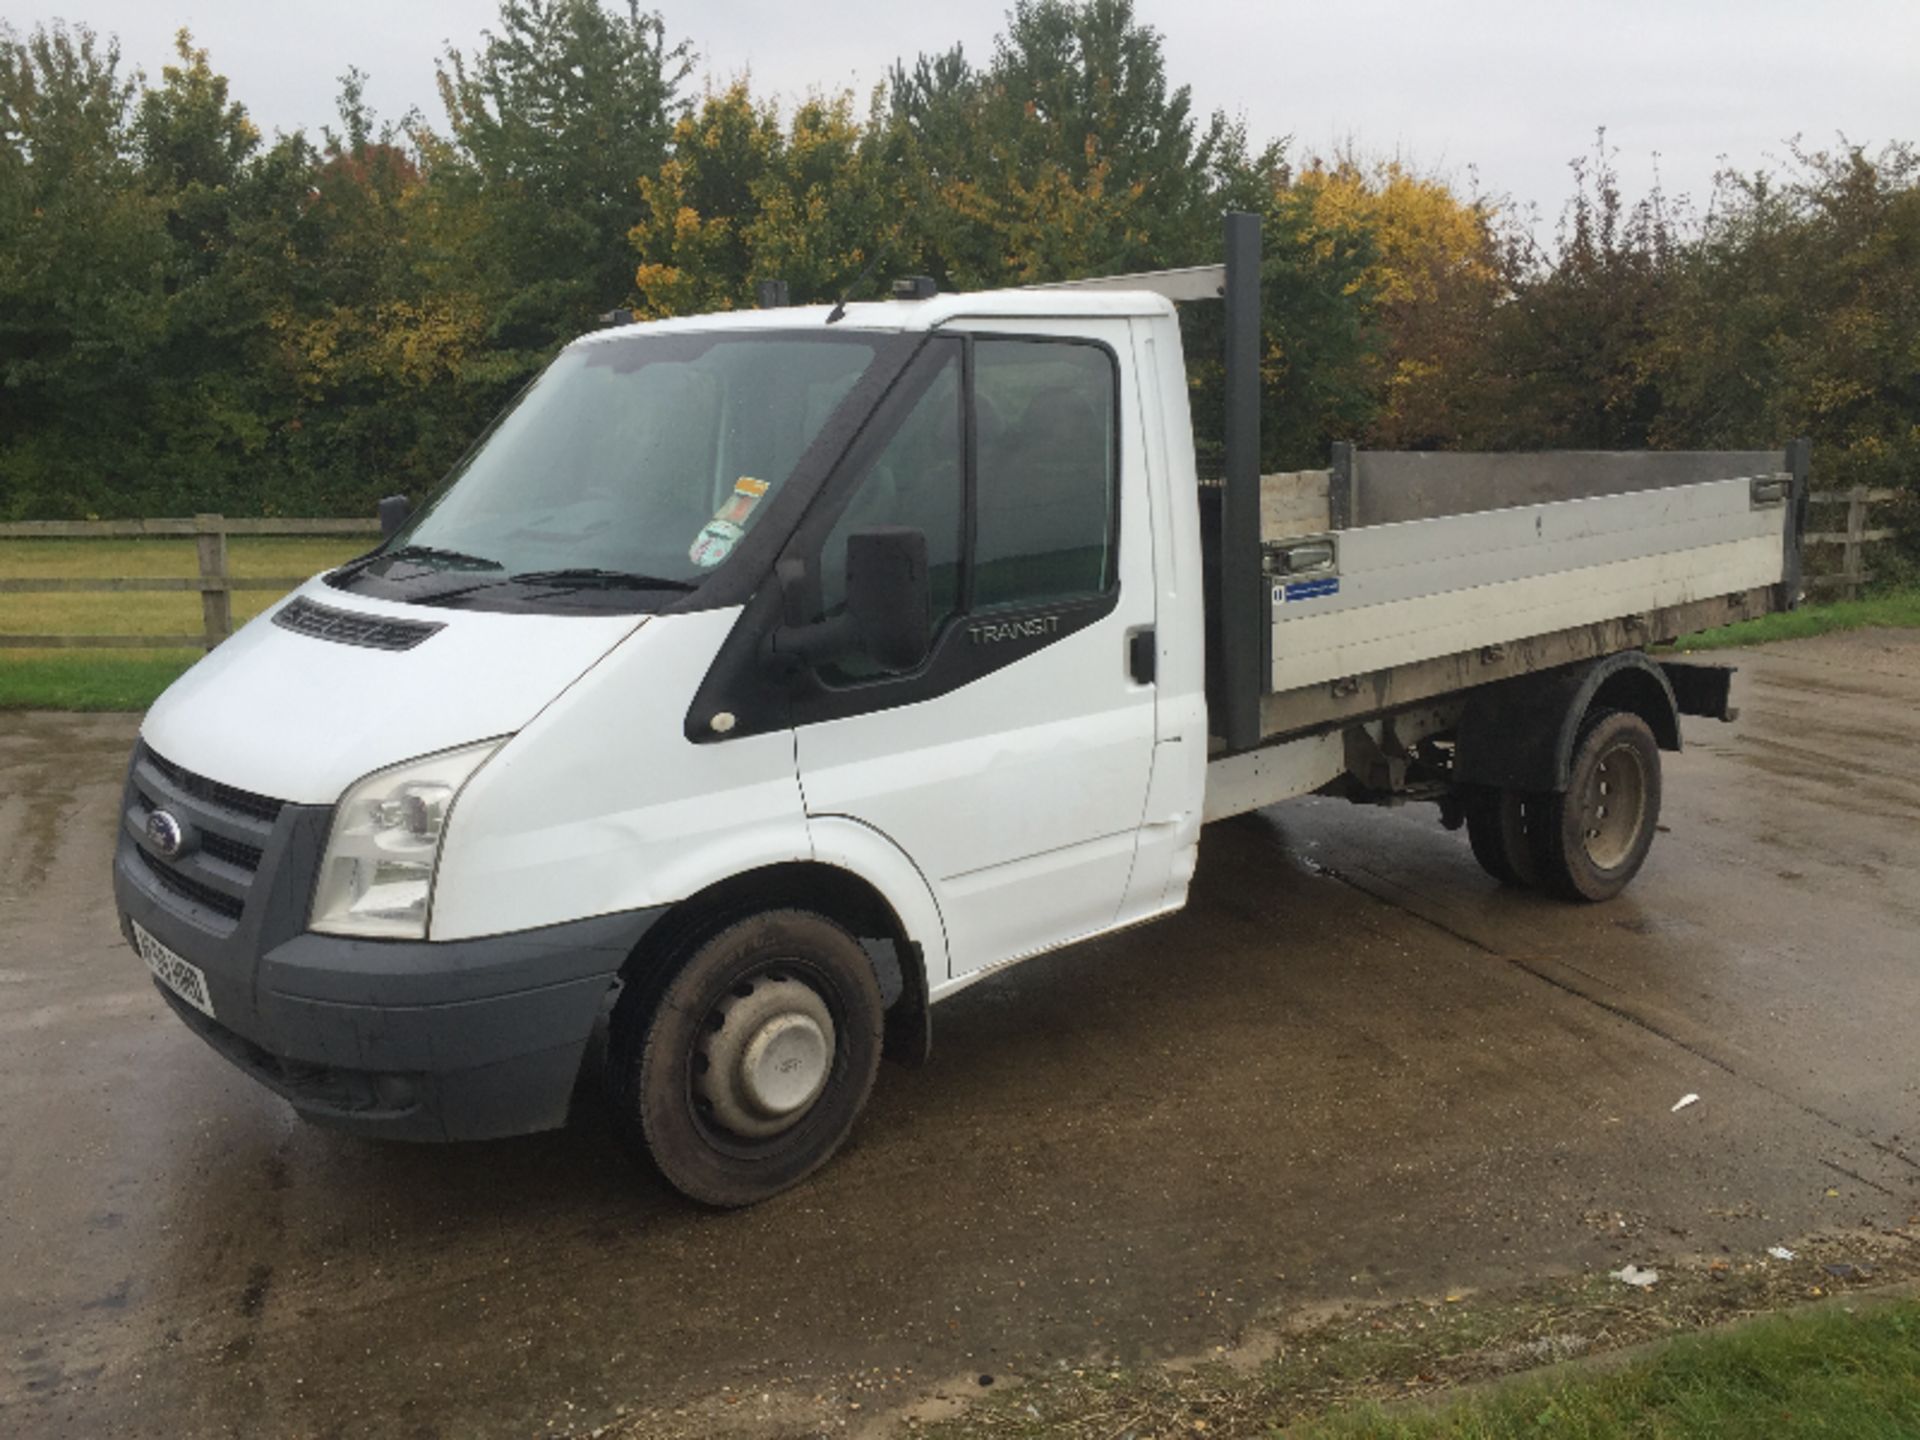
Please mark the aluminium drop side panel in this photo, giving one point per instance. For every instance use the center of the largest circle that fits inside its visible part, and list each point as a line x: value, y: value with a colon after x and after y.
x: 1426, y: 588
x: 1392, y: 486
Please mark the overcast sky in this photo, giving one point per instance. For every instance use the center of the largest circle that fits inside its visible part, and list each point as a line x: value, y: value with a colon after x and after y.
x: 1513, y: 88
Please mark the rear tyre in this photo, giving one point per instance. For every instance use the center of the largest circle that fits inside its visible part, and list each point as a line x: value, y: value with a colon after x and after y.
x: 1593, y: 838
x: 744, y: 1071
x: 1497, y: 829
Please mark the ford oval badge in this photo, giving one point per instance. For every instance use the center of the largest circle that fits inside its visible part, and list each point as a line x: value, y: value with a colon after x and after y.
x: 166, y: 834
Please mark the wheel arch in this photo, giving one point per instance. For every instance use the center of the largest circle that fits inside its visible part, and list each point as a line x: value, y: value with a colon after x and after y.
x: 828, y: 887
x: 1644, y: 690
x: 1521, y: 734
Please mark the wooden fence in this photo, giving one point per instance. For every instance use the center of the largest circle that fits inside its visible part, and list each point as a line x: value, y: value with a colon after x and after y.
x: 215, y: 585
x: 1854, y: 539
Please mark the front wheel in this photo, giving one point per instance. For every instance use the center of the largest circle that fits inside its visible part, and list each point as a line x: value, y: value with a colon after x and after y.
x: 745, y: 1072
x: 1593, y: 838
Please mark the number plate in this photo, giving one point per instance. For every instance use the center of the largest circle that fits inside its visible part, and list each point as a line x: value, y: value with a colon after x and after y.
x: 181, y: 976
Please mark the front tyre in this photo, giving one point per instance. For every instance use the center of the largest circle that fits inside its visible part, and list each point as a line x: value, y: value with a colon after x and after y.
x: 748, y: 1070
x: 1593, y: 838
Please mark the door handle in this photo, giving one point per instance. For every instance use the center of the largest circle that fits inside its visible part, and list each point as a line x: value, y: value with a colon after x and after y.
x: 1141, y: 653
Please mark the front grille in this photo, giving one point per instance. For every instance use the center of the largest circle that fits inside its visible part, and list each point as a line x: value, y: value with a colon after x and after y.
x: 225, y: 796
x: 349, y: 627
x: 187, y: 888
x: 227, y: 829
x: 234, y: 852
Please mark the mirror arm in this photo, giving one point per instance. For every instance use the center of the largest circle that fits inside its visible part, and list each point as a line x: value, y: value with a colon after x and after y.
x: 814, y: 642
x: 797, y: 644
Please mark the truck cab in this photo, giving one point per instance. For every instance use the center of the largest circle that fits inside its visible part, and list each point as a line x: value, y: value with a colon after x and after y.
x: 867, y: 651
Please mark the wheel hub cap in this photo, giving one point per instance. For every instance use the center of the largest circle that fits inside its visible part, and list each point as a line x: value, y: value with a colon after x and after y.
x: 767, y: 1056
x: 1613, y: 808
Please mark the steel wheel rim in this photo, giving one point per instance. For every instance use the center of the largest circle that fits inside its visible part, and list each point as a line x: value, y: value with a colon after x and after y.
x: 765, y: 1053
x: 1613, y: 807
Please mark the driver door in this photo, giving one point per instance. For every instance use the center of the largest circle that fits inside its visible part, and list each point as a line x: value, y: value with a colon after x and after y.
x: 1012, y: 765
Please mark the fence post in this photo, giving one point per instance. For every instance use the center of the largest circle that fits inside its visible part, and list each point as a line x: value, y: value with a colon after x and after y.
x: 1852, y: 557
x: 216, y: 600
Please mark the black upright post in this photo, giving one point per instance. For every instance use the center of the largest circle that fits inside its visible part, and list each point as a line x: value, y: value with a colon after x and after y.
x: 1244, y: 610
x: 1799, y: 462
x: 1340, y: 486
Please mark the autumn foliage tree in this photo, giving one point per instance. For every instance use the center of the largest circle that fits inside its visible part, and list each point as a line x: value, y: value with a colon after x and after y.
x: 197, y: 316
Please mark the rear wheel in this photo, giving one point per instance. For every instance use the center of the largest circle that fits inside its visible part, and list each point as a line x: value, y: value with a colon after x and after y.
x: 1497, y: 829
x: 745, y: 1071
x: 1593, y: 838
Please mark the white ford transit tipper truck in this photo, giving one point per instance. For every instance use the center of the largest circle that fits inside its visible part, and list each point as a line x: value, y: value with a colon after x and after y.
x: 760, y: 679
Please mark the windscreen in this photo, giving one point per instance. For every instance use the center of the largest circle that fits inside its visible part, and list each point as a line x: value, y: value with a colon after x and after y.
x: 647, y: 457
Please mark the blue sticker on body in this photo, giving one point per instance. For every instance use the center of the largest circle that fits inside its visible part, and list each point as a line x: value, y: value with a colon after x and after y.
x: 1309, y: 589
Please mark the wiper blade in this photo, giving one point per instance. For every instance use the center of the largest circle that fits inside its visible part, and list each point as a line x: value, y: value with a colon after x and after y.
x: 453, y: 559
x: 434, y: 552
x: 588, y: 577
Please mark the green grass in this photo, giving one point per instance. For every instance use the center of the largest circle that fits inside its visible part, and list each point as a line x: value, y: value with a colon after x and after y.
x: 129, y: 679
x: 1824, y: 1373
x: 1896, y: 608
x: 88, y: 679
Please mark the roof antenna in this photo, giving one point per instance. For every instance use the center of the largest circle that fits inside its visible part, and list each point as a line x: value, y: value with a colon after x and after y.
x: 840, y: 306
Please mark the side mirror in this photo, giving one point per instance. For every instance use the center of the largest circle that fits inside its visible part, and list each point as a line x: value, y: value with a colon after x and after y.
x: 890, y: 595
x: 394, y: 511
x: 889, y: 610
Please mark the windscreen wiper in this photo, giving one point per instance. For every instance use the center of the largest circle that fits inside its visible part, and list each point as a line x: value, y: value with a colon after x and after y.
x: 591, y: 578
x: 453, y: 559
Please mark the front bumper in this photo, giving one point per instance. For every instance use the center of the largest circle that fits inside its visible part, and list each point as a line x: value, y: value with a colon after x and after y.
x: 463, y: 1040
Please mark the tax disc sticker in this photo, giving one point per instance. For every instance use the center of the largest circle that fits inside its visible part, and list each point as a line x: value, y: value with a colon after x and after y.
x: 714, y: 543
x: 719, y: 535
x: 747, y: 493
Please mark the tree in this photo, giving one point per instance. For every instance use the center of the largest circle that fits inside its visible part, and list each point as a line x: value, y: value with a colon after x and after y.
x: 1569, y: 356
x: 1434, y: 286
x: 553, y: 121
x: 743, y: 198
x: 1068, y: 154
x: 701, y: 206
x: 1797, y: 312
x: 80, y: 245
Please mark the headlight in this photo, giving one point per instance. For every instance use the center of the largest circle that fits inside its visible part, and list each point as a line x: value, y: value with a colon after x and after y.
x: 377, y: 877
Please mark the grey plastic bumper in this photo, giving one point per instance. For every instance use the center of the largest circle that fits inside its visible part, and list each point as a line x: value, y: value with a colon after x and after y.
x: 463, y: 1040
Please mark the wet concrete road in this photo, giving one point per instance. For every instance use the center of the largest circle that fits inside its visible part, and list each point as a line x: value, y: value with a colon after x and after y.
x: 1353, y: 1067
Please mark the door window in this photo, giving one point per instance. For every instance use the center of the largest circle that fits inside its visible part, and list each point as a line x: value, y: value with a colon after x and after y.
x: 1044, y: 485
x: 912, y: 478
x: 1045, y: 471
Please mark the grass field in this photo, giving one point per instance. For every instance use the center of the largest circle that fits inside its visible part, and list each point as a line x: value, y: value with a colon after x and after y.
x: 1898, y: 608
x: 128, y: 679
x: 1723, y: 1346
x: 1827, y: 1373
